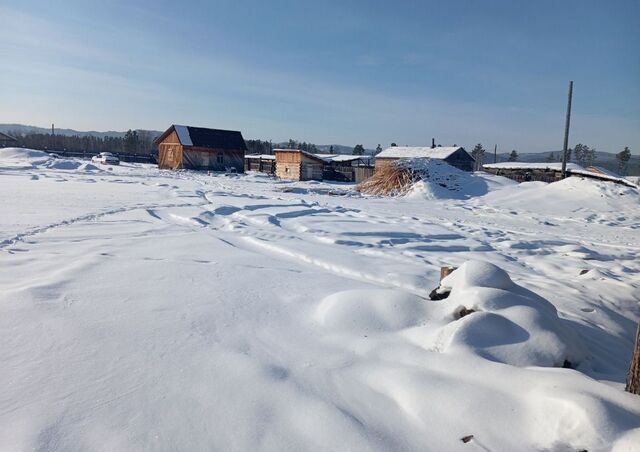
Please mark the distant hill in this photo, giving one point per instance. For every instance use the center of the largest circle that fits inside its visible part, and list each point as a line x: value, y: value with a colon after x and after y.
x: 24, y: 130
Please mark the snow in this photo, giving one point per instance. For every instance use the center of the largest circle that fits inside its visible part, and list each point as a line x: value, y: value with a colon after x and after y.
x: 260, y: 156
x: 143, y: 309
x: 342, y: 157
x: 408, y: 152
x: 533, y: 165
x: 572, y: 168
x: 183, y: 135
x: 439, y: 180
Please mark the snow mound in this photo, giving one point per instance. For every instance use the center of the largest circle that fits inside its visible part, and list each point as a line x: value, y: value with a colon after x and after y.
x: 22, y: 158
x: 507, y: 323
x: 22, y: 154
x: 570, y: 196
x: 439, y: 180
x: 370, y: 310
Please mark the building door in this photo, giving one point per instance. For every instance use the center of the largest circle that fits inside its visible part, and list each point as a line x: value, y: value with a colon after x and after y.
x: 308, y: 172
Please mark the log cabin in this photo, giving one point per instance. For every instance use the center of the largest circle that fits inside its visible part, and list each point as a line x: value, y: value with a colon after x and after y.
x: 294, y: 164
x: 453, y: 155
x: 199, y: 148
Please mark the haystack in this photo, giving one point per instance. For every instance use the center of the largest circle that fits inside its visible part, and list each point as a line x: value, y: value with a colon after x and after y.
x: 396, y: 179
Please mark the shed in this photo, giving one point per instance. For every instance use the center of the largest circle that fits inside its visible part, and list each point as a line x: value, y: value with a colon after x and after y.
x: 263, y: 163
x: 7, y: 141
x: 186, y: 147
x: 550, y: 172
x: 346, y: 167
x: 294, y: 164
x: 453, y: 155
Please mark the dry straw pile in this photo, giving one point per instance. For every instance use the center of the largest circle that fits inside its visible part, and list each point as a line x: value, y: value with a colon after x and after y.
x: 391, y: 180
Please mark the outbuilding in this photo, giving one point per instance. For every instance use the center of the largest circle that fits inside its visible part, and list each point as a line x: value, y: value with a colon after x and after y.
x: 453, y: 155
x: 200, y: 148
x: 295, y: 164
x: 550, y: 172
x: 7, y: 141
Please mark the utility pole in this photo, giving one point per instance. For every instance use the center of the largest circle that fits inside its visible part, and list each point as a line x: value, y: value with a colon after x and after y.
x: 495, y: 154
x: 53, y: 138
x: 566, y: 131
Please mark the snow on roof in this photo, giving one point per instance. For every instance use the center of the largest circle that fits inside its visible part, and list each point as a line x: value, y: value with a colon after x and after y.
x: 410, y: 152
x: 260, y: 156
x: 341, y: 157
x: 572, y: 168
x: 183, y: 135
x: 599, y: 169
x: 533, y: 165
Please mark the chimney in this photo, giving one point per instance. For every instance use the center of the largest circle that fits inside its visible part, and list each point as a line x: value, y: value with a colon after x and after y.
x: 433, y: 142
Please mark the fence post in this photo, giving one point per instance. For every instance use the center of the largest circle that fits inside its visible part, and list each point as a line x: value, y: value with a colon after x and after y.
x: 633, y: 379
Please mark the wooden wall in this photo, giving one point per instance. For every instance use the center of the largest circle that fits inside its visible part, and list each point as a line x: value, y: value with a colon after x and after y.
x: 212, y: 159
x: 170, y: 152
x: 297, y: 166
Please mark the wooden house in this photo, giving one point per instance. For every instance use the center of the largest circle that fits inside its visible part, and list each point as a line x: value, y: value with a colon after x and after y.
x: 453, y: 155
x: 294, y: 164
x: 186, y: 147
x: 7, y: 141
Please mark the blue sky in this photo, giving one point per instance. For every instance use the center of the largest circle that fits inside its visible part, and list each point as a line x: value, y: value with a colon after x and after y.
x: 330, y: 72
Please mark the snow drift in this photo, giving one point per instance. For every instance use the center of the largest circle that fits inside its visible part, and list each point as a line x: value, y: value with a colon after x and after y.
x: 430, y: 179
x: 22, y: 158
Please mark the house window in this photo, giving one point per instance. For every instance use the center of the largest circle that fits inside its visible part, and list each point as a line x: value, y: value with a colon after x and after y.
x: 219, y: 158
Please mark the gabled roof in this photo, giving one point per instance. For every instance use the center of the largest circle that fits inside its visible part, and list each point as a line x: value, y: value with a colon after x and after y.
x: 412, y: 152
x: 206, y: 138
x: 5, y: 137
x: 305, y: 153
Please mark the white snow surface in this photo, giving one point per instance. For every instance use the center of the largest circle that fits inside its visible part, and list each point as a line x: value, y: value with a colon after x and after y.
x: 409, y: 152
x: 260, y: 156
x: 183, y: 135
x: 143, y: 309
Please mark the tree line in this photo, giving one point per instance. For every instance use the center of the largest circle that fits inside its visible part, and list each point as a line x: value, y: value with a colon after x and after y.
x: 133, y: 142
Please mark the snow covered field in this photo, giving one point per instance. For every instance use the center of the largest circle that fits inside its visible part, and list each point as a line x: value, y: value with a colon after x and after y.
x: 152, y: 310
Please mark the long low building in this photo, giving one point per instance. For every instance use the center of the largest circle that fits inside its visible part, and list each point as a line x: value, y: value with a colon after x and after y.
x: 550, y: 172
x: 453, y: 155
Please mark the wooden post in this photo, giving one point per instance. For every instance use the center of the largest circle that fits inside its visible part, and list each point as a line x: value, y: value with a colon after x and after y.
x: 633, y: 379
x: 445, y: 271
x: 566, y: 131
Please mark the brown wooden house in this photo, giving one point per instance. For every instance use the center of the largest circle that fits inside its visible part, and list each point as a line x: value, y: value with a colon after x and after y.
x: 294, y: 164
x: 186, y: 147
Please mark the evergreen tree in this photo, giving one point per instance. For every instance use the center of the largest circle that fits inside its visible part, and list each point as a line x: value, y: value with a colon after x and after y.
x: 393, y: 145
x: 551, y: 157
x: 478, y: 154
x: 331, y: 150
x: 378, y: 149
x: 513, y: 157
x: 358, y: 149
x: 623, y: 158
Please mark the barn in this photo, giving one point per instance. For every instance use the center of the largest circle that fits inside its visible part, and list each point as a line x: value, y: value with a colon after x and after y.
x: 7, y: 141
x: 294, y: 164
x: 199, y: 148
x: 453, y: 155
